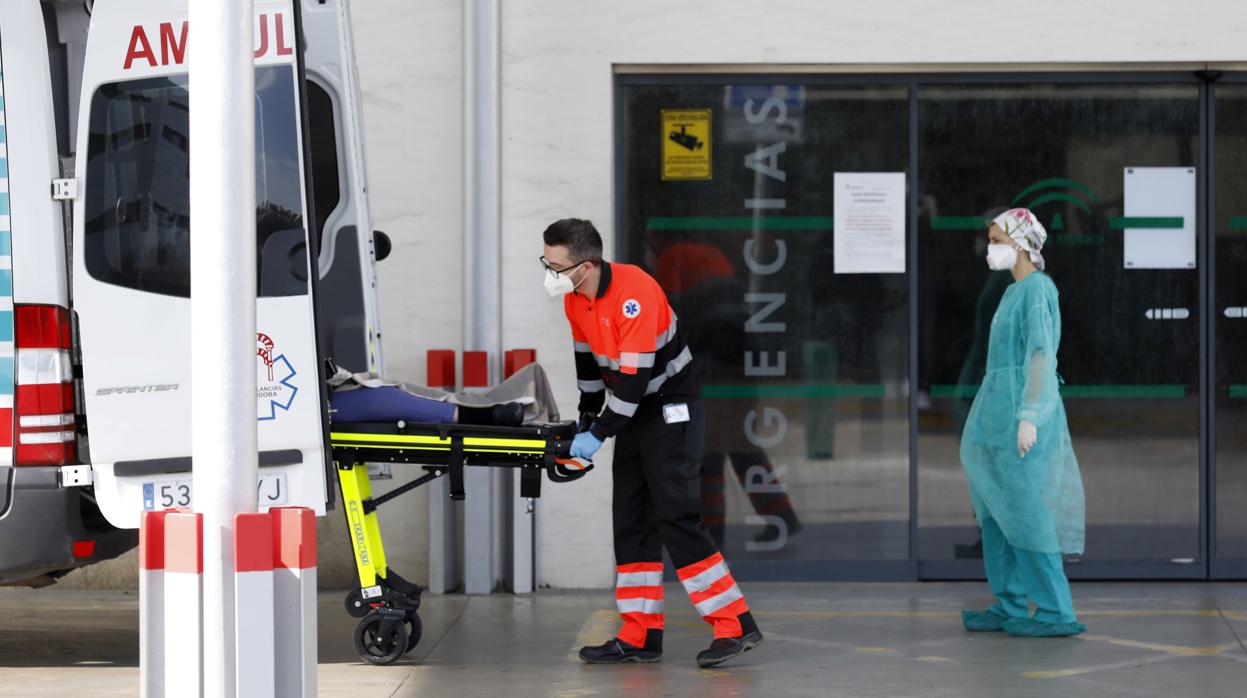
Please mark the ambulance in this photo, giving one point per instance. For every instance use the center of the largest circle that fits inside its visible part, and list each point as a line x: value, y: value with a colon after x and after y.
x: 95, y: 230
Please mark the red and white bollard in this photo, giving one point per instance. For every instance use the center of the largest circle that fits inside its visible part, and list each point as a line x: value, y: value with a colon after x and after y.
x: 183, y: 610
x: 274, y: 601
x: 294, y: 599
x: 253, y: 605
x: 152, y: 604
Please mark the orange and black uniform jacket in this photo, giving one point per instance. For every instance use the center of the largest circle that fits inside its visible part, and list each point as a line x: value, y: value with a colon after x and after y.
x: 627, y: 340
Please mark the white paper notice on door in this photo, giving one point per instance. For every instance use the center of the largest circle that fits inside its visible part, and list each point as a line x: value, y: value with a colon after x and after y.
x: 1159, y: 221
x: 869, y: 225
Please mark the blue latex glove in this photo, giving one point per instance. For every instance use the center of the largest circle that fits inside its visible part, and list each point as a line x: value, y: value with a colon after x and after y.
x: 585, y: 445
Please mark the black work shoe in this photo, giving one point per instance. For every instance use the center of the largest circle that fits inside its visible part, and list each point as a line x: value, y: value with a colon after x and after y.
x: 618, y: 652
x: 725, y: 648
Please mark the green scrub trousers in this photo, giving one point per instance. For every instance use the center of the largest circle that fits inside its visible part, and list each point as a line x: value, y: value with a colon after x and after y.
x: 1015, y: 574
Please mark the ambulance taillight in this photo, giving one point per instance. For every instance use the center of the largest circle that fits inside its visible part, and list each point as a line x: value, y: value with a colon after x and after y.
x: 43, y: 400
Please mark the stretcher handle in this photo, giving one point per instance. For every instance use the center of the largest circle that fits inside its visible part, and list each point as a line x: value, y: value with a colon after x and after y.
x: 568, y: 469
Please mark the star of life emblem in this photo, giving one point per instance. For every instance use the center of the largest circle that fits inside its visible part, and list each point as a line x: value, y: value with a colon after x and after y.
x: 631, y: 308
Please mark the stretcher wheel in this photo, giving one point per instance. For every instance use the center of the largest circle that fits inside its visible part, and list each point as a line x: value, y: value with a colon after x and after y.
x: 375, y: 648
x: 414, y: 630
x: 356, y: 607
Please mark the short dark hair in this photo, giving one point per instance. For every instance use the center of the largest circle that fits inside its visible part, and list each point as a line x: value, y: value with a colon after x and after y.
x: 579, y: 237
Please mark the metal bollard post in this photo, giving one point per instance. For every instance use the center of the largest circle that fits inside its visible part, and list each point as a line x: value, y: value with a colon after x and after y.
x: 183, y: 587
x: 152, y: 604
x: 294, y: 600
x: 253, y: 606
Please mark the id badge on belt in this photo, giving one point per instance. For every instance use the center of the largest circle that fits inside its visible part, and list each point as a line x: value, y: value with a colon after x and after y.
x: 675, y: 413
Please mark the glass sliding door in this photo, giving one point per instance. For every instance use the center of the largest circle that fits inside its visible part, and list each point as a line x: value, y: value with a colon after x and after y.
x: 1229, y: 317
x: 726, y: 196
x: 1112, y: 171
x: 831, y: 386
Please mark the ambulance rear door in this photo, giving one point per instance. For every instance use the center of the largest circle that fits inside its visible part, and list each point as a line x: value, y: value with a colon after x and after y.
x: 131, y: 263
x: 40, y: 432
x: 349, y: 249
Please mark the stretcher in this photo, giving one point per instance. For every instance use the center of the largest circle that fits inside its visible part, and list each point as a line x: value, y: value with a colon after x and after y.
x: 385, y: 603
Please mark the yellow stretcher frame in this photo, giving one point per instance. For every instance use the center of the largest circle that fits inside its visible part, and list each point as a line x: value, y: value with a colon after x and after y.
x: 365, y: 531
x: 440, y: 449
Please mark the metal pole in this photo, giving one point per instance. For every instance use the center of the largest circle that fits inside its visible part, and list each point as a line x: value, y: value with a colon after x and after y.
x: 482, y: 262
x: 223, y: 290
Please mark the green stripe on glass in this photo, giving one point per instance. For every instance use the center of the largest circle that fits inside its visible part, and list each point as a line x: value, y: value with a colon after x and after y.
x: 1238, y: 222
x: 6, y: 326
x: 1150, y: 222
x: 954, y: 390
x: 6, y: 243
x: 806, y: 391
x: 959, y: 223
x: 1081, y: 391
x: 811, y: 223
x: 1140, y: 392
x: 1238, y: 392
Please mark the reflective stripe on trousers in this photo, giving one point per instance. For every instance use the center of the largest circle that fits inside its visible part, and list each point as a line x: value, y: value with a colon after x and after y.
x: 639, y: 596
x: 714, y: 594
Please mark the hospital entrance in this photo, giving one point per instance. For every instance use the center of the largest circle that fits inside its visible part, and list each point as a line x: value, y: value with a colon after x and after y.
x: 822, y: 240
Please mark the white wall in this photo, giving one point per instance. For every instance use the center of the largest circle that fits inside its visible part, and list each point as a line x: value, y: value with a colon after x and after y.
x: 559, y: 57
x: 409, y: 56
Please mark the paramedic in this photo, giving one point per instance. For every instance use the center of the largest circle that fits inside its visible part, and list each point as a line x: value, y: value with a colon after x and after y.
x: 627, y: 341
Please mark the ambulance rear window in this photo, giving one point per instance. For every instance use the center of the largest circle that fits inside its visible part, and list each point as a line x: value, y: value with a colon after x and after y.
x: 137, y: 222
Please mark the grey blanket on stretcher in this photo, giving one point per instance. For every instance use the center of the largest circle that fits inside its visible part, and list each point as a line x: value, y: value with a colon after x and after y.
x: 528, y: 386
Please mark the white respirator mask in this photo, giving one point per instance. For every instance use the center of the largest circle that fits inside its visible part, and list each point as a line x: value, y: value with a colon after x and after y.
x: 1001, y: 257
x: 559, y: 283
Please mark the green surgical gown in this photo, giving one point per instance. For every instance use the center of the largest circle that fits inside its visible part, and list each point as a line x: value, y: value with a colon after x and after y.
x: 1038, y: 500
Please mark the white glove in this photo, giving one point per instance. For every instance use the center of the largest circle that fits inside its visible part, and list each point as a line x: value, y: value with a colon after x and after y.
x: 1027, y: 435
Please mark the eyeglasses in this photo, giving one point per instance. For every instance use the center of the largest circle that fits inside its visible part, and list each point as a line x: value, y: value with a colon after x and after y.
x: 546, y: 263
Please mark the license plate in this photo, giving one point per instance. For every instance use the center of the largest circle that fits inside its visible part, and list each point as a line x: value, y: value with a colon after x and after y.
x: 176, y: 494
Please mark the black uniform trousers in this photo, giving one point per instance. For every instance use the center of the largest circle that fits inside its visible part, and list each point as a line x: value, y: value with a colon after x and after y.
x: 657, y: 496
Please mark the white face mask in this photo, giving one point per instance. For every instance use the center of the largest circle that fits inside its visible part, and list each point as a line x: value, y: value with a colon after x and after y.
x: 1001, y: 257
x: 559, y: 283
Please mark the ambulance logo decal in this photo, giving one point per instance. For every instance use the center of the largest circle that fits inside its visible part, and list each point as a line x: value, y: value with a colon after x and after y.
x: 275, y: 388
x: 631, y: 308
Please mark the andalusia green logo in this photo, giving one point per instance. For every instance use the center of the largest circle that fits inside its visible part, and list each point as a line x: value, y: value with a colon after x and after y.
x: 1062, y: 192
x: 1065, y: 206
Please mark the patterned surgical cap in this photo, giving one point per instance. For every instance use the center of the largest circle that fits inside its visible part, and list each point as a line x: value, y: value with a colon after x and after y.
x: 1026, y: 230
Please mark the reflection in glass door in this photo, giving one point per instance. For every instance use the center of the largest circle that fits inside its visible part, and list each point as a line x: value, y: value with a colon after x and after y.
x: 1111, y: 171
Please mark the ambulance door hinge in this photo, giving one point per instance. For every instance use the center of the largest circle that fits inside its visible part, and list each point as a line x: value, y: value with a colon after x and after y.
x: 64, y: 189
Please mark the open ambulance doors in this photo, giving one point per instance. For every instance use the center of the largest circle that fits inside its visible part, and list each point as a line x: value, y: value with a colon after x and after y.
x: 131, y: 249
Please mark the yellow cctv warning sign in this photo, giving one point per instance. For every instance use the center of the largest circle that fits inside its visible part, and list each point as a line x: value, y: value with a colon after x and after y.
x: 686, y: 144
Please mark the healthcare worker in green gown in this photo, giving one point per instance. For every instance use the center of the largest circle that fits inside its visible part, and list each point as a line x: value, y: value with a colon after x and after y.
x: 1016, y: 450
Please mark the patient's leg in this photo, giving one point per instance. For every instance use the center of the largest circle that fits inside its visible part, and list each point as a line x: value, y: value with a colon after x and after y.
x: 387, y: 404
x: 390, y: 404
